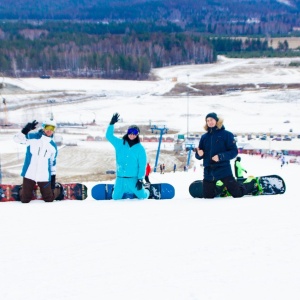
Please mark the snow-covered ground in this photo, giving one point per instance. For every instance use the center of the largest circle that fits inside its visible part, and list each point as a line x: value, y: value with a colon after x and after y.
x: 179, y: 249
x: 183, y: 248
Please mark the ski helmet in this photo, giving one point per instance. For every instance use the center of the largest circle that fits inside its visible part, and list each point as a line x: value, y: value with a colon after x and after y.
x: 49, y: 122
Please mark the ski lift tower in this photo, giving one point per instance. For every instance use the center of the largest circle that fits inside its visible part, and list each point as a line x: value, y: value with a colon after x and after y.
x: 189, y: 147
x: 162, y: 131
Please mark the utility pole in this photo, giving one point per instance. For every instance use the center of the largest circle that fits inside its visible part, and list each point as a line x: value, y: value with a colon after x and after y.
x: 162, y: 130
x: 270, y: 130
x: 5, y: 112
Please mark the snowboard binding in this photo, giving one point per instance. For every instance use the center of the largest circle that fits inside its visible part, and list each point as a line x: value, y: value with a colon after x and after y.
x: 61, y: 194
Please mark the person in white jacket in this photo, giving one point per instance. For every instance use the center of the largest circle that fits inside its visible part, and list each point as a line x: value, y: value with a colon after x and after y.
x: 40, y: 162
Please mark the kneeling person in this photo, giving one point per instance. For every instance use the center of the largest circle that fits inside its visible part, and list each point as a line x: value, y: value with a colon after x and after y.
x: 131, y: 161
x: 40, y: 162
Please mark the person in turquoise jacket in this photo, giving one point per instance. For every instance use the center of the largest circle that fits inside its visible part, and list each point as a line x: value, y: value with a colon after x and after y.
x: 131, y: 161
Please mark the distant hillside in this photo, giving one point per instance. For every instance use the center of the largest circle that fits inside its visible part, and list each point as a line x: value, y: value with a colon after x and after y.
x: 127, y: 38
x: 213, y: 16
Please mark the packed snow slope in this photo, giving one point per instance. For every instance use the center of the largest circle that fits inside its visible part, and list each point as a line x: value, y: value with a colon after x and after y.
x: 179, y: 249
x: 184, y: 248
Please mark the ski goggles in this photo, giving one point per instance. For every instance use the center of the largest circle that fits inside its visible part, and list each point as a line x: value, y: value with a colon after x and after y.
x: 49, y: 127
x: 132, y: 131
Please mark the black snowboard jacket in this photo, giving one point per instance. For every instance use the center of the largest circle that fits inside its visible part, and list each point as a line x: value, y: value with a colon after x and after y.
x: 217, y: 141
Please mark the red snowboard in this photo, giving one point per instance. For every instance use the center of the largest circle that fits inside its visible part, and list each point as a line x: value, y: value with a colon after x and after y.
x: 72, y: 191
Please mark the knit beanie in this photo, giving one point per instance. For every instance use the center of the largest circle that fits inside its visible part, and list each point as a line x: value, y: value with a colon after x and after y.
x: 212, y: 115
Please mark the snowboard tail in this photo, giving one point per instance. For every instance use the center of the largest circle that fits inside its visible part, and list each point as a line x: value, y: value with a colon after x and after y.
x: 158, y: 191
x: 266, y: 185
x: 71, y: 191
x: 271, y: 185
x: 9, y: 192
x: 74, y: 191
x: 161, y: 191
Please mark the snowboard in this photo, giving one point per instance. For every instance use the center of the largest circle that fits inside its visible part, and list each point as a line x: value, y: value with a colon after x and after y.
x: 158, y: 191
x: 267, y: 185
x: 72, y: 191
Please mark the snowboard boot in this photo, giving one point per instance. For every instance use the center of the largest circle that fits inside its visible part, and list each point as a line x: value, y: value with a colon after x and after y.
x: 252, y: 186
x: 220, y: 189
x: 147, y: 186
x: 59, y: 191
x: 19, y: 193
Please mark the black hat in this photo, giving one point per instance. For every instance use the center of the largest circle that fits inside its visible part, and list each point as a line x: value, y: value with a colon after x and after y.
x: 212, y: 115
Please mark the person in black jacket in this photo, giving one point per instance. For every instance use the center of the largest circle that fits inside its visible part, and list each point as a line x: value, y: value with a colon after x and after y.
x: 217, y: 147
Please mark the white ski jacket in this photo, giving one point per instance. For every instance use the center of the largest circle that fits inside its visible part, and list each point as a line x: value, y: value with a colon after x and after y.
x: 40, y: 159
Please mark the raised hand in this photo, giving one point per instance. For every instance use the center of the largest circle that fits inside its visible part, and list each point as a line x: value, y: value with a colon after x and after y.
x: 114, y: 119
x: 29, y: 127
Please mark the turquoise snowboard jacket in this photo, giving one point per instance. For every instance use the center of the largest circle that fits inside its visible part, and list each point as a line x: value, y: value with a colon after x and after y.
x: 130, y: 161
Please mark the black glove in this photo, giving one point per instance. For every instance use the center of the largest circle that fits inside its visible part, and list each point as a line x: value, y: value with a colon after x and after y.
x: 139, y: 184
x: 114, y: 119
x: 29, y: 126
x: 53, y: 179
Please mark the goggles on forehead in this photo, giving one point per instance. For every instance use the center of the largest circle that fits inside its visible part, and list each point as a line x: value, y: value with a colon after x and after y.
x: 49, y: 127
x: 132, y: 131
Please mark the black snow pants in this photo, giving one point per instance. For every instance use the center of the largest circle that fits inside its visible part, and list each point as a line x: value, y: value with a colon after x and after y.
x: 235, y: 188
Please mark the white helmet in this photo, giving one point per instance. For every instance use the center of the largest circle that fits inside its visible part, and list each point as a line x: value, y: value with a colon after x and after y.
x: 49, y: 122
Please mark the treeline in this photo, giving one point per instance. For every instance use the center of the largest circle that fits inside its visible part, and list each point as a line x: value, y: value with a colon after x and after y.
x: 234, y: 45
x: 115, y: 50
x: 251, y: 47
x: 226, y: 45
x: 75, y: 53
x: 222, y: 17
x: 10, y: 29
